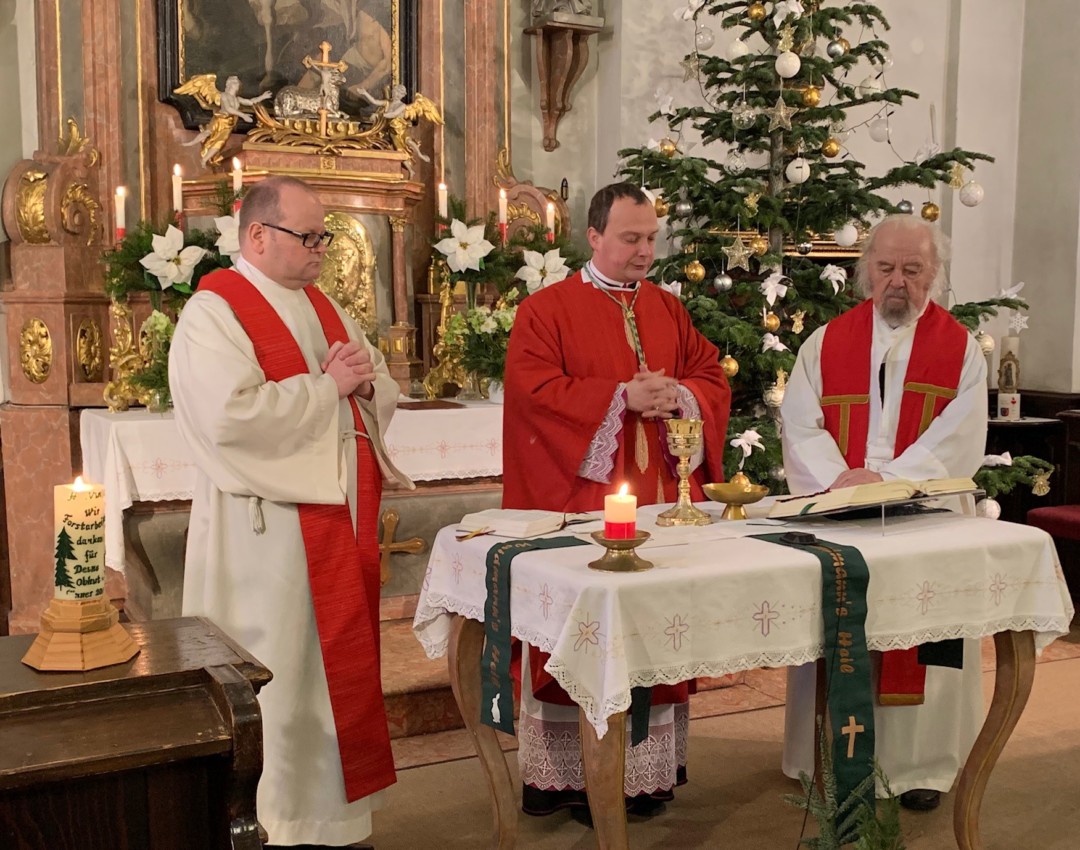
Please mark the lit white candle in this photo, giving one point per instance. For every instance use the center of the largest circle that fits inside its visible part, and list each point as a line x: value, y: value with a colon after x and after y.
x: 121, y: 213
x: 502, y: 206
x: 237, y: 176
x: 79, y: 535
x: 177, y: 191
x: 620, y: 515
x: 443, y: 201
x: 551, y: 221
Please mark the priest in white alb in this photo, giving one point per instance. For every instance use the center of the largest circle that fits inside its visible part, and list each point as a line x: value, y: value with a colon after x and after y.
x: 894, y: 388
x: 284, y: 405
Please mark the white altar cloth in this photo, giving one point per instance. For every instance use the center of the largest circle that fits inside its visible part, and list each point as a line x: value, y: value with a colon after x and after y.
x: 723, y: 605
x: 138, y: 456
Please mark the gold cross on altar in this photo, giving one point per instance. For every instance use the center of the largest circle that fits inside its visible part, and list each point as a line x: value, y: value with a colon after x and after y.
x: 387, y: 546
x: 851, y: 730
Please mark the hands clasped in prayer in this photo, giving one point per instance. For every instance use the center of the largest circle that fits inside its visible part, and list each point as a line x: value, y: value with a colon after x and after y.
x: 349, y: 364
x: 653, y: 395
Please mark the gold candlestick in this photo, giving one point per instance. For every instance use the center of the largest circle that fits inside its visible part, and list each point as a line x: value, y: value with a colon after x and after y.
x: 621, y: 555
x: 684, y: 439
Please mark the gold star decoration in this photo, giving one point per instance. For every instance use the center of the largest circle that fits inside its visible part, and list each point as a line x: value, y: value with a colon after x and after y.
x: 787, y: 38
x: 1040, y: 484
x: 780, y: 115
x: 691, y: 66
x: 738, y: 255
x: 956, y: 176
x: 751, y: 202
x: 797, y: 319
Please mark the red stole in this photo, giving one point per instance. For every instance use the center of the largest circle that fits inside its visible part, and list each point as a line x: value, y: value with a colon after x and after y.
x: 930, y: 383
x: 343, y: 567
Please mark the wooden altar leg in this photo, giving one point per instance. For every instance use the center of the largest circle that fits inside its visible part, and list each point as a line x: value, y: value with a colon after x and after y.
x: 605, y: 764
x: 466, y: 646
x: 1012, y: 687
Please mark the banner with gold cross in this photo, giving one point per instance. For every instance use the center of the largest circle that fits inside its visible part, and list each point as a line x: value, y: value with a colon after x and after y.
x: 849, y: 695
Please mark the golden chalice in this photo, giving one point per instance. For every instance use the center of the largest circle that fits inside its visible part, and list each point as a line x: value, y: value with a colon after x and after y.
x: 684, y: 438
x: 736, y: 494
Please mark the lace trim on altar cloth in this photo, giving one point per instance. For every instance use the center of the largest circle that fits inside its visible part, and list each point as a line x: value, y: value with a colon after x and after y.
x: 600, y: 457
x: 549, y: 755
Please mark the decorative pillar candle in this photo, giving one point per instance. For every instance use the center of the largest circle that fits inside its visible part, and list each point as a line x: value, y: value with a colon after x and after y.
x: 502, y: 214
x: 121, y: 213
x: 177, y: 192
x: 444, y: 203
x: 237, y: 184
x: 550, y: 222
x: 79, y: 532
x: 620, y: 515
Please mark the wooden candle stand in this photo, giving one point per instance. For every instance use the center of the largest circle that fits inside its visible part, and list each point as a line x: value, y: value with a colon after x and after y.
x: 80, y: 634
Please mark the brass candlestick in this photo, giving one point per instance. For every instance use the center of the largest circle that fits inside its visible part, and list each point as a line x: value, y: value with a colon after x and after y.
x: 684, y: 439
x: 621, y: 555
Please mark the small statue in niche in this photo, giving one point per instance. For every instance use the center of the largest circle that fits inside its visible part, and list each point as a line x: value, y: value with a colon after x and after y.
x: 226, y: 108
x: 550, y: 7
x: 400, y: 116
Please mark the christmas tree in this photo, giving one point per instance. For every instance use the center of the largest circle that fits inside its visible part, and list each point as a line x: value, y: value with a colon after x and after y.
x: 774, y: 190
x: 64, y: 553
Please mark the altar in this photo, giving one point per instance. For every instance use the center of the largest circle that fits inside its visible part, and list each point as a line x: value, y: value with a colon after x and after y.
x: 718, y: 602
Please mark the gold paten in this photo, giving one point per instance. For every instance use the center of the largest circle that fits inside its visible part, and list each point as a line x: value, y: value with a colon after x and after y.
x: 684, y: 438
x: 30, y: 207
x: 35, y: 351
x: 736, y: 494
x: 348, y: 272
x: 88, y: 350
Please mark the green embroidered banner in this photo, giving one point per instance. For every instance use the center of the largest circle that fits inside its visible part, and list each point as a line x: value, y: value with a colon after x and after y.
x: 496, y: 688
x: 844, y: 582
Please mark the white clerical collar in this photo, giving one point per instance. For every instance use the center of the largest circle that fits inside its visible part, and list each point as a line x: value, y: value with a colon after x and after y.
x: 601, y: 281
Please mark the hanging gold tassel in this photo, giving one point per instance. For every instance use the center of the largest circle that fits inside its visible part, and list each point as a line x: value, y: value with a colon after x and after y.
x: 641, y: 447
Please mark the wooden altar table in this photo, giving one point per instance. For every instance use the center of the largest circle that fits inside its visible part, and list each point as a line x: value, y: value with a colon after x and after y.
x: 138, y: 456
x: 716, y: 606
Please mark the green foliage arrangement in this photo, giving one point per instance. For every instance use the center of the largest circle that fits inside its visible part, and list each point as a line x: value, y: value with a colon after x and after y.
x: 1025, y: 469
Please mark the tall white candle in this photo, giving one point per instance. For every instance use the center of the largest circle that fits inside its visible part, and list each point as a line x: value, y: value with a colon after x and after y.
x: 237, y: 176
x: 121, y: 213
x: 1010, y: 345
x: 79, y: 535
x: 177, y: 191
x: 551, y: 219
x: 502, y: 206
x: 443, y: 201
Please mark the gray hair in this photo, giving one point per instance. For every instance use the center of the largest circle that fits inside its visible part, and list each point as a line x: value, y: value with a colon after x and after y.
x: 938, y: 241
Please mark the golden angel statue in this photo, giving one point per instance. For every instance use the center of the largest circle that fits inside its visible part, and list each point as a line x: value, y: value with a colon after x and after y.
x: 400, y: 116
x: 226, y: 108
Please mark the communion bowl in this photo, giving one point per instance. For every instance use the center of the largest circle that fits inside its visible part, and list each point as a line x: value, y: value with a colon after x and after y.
x: 735, y: 495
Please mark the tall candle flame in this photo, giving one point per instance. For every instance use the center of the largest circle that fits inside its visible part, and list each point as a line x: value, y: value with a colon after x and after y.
x: 80, y: 486
x: 623, y: 490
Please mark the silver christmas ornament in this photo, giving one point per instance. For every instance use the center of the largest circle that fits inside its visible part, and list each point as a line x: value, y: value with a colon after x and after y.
x: 743, y: 115
x: 723, y: 283
x: 684, y: 208
x: 835, y: 49
x: 787, y: 64
x: 804, y: 248
x: 735, y: 163
x: 971, y: 194
x: 736, y: 50
x: 905, y: 207
x: 989, y: 508
x: 704, y: 38
x: 986, y: 342
x: 777, y: 472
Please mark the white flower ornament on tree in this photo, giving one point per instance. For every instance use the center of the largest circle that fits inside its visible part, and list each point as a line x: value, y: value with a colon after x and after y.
x: 170, y: 262
x: 834, y: 275
x: 228, y: 243
x: 465, y: 247
x: 771, y: 342
x: 747, y: 441
x: 773, y: 287
x: 783, y: 8
x: 542, y: 270
x: 687, y: 12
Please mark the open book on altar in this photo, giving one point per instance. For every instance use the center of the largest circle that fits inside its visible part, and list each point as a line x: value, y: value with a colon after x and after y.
x: 512, y: 523
x: 869, y: 495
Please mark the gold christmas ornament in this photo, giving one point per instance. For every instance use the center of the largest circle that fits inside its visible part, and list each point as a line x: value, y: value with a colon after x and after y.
x: 695, y: 271
x: 986, y: 342
x: 844, y: 43
x: 771, y: 322
x: 1040, y: 484
x: 956, y: 176
x: 830, y: 148
x: 811, y: 96
x: 787, y: 38
x: 738, y: 255
x: 667, y: 148
x: 797, y: 319
x: 930, y: 211
x: 780, y: 115
x: 662, y: 207
x: 759, y: 245
x: 730, y: 366
x: 751, y: 203
x: 757, y: 12
x: 774, y: 393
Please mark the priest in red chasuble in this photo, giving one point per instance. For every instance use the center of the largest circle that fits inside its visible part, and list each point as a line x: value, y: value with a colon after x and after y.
x: 284, y: 405
x: 596, y: 363
x: 894, y: 388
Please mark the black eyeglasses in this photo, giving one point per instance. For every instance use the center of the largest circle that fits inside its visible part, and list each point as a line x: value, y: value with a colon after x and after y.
x: 308, y: 240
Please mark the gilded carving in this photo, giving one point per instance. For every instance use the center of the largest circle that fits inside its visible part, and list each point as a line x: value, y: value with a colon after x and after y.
x: 79, y: 212
x: 397, y: 224
x: 88, y: 350
x: 516, y: 211
x: 30, y: 206
x: 124, y: 360
x: 348, y: 273
x: 74, y: 143
x: 35, y: 351
x: 447, y: 368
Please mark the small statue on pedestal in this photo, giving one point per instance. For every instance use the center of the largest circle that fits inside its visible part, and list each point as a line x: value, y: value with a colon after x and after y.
x: 226, y: 107
x: 400, y: 116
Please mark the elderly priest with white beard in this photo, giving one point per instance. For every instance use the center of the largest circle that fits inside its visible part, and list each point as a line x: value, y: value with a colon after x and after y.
x: 894, y: 388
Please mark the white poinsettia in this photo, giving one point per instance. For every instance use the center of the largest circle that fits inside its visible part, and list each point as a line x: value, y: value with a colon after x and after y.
x: 675, y: 288
x: 771, y: 342
x: 228, y: 243
x: 542, y: 270
x: 783, y: 8
x: 834, y: 275
x: 170, y: 262
x: 465, y: 247
x: 773, y: 287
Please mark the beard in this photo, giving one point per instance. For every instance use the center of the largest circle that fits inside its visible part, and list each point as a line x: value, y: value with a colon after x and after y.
x: 897, y: 310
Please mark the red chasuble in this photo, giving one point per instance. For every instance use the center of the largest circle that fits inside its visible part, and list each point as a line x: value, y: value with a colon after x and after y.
x: 343, y: 566
x: 930, y: 383
x: 568, y: 353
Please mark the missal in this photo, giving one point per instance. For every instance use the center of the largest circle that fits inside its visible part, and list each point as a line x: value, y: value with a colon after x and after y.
x: 512, y: 523
x: 868, y: 495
